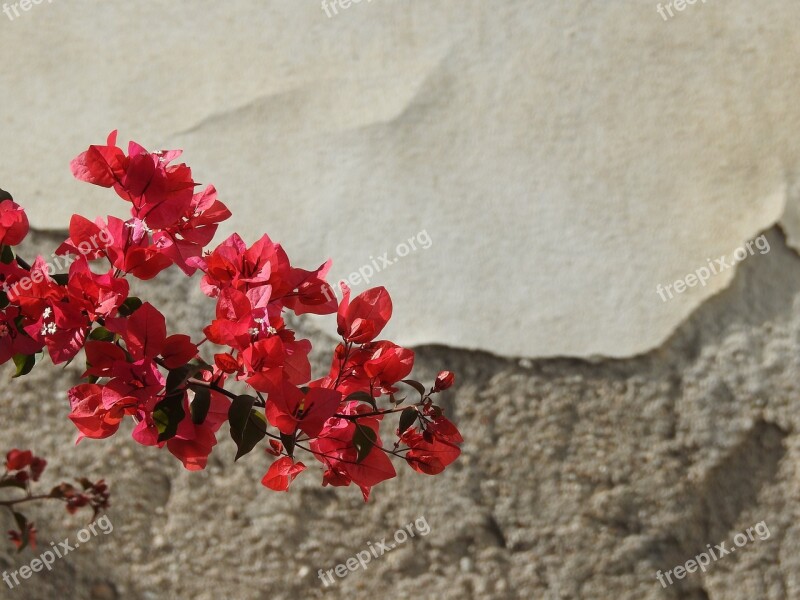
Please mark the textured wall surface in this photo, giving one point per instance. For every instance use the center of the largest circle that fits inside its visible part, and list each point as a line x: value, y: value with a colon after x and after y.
x: 564, y: 159
x: 553, y: 163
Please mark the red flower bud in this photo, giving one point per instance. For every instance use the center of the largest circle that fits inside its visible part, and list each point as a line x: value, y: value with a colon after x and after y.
x: 444, y: 380
x: 37, y: 467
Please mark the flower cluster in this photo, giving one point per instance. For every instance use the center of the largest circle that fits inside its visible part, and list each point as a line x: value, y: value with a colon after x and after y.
x: 22, y: 469
x: 136, y: 368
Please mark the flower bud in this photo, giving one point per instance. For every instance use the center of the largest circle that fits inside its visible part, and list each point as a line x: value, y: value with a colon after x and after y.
x: 444, y: 380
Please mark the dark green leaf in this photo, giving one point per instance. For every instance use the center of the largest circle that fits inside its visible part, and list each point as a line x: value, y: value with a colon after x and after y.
x: 22, y: 523
x: 4, y: 195
x: 61, y: 278
x: 416, y: 385
x: 289, y: 442
x: 177, y: 377
x: 130, y: 306
x: 24, y: 363
x: 248, y: 425
x: 3, y: 300
x: 6, y: 255
x: 12, y: 483
x: 362, y: 397
x: 201, y: 403
x: 407, y: 418
x: 168, y: 414
x: 101, y: 334
x: 363, y: 440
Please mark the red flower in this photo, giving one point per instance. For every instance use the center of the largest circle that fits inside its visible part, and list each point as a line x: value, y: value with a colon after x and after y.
x: 334, y: 447
x: 13, y: 223
x: 233, y: 265
x: 132, y: 251
x: 17, y: 460
x: 291, y: 409
x: 86, y: 238
x: 281, y: 473
x: 434, y: 448
x: 99, y: 296
x: 193, y: 442
x: 160, y: 193
x: 12, y: 340
x: 51, y: 320
x: 235, y: 325
x: 361, y: 320
x: 183, y: 243
x: 89, y: 413
x: 444, y: 380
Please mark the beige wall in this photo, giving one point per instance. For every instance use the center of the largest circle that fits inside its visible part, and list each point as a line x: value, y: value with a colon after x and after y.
x: 564, y: 158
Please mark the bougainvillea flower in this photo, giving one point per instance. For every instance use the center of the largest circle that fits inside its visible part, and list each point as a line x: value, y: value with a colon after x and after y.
x: 291, y: 409
x: 18, y: 459
x: 13, y: 223
x: 334, y: 448
x: 98, y: 295
x: 86, y: 239
x: 183, y: 243
x: 361, y: 320
x: 271, y: 361
x: 281, y: 473
x: 233, y: 265
x: 132, y: 250
x: 235, y: 325
x: 432, y: 450
x: 388, y: 364
x: 160, y: 193
x: 89, y: 413
x: 12, y: 340
x: 310, y: 292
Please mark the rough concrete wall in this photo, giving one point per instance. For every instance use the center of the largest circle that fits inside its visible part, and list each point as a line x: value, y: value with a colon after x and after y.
x: 578, y: 480
x: 565, y: 158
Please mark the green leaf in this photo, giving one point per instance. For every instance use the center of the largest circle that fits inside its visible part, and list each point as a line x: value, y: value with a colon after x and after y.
x: 416, y: 385
x: 177, y: 377
x: 4, y: 195
x: 22, y: 523
x: 3, y: 300
x: 200, y: 404
x: 168, y: 414
x: 248, y: 425
x: 12, y: 483
x: 364, y: 440
x: 130, y: 306
x: 288, y: 440
x: 362, y: 397
x: 61, y: 278
x: 6, y: 255
x: 101, y: 334
x: 24, y: 363
x: 407, y: 418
